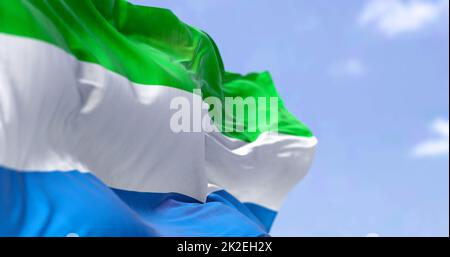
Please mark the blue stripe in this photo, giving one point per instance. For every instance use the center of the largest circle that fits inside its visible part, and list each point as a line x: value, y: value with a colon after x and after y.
x: 60, y: 203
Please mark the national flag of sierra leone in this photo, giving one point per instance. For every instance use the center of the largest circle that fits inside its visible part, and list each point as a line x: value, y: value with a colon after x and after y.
x: 86, y: 144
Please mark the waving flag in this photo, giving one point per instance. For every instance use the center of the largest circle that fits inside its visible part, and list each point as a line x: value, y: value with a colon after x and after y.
x: 86, y: 142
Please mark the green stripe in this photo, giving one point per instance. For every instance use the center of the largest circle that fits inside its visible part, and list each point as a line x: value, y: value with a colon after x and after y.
x: 145, y: 44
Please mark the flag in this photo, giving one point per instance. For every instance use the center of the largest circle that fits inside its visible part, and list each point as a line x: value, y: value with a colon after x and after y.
x: 94, y: 143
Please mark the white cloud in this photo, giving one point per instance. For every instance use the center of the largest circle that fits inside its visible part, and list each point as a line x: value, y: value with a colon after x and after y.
x: 393, y: 17
x: 352, y: 67
x: 437, y: 146
x: 372, y: 235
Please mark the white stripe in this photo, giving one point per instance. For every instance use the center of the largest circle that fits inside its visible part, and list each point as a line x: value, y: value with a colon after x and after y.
x: 263, y: 171
x: 57, y: 113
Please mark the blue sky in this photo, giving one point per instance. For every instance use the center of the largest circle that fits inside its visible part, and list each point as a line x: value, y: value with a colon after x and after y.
x: 371, y: 79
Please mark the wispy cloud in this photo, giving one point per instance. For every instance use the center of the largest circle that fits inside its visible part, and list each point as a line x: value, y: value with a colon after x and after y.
x: 437, y: 146
x: 393, y: 17
x: 352, y: 67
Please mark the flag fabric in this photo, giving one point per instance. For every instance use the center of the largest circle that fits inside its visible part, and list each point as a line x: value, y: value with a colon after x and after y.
x: 86, y: 146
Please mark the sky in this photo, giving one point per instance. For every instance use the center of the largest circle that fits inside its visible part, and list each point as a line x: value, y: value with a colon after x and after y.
x: 371, y: 79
